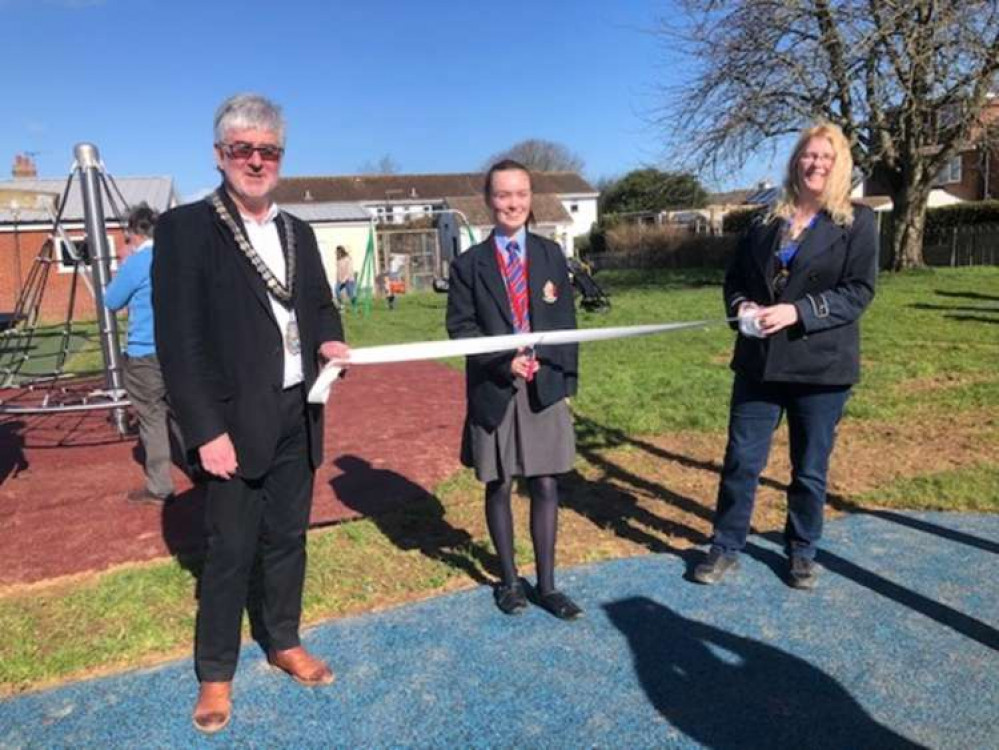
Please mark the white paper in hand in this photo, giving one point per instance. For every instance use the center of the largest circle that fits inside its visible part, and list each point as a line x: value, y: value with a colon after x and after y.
x: 749, y: 324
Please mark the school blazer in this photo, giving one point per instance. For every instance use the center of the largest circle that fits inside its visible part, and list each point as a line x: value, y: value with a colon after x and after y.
x: 831, y: 284
x: 478, y: 305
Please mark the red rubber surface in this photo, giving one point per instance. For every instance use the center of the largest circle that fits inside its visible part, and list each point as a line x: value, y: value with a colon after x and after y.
x: 392, y: 432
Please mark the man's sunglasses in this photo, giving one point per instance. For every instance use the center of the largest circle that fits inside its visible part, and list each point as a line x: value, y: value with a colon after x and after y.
x: 241, y: 151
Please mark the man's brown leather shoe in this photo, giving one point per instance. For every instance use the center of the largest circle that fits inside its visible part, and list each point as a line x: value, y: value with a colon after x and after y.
x: 304, y: 668
x: 214, y: 707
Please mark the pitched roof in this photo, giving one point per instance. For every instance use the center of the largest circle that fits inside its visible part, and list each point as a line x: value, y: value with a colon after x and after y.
x: 548, y: 209
x: 158, y: 192
x: 413, y: 187
x: 327, y: 211
x: 730, y: 198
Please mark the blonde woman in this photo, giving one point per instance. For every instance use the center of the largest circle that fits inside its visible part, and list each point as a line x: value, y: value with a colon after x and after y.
x: 800, y: 280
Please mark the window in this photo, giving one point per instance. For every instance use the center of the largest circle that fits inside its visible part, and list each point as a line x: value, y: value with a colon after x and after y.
x: 81, y: 249
x: 951, y: 173
x: 574, y: 208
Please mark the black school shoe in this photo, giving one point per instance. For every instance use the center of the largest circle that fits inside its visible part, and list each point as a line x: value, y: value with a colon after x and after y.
x: 559, y: 605
x: 510, y: 598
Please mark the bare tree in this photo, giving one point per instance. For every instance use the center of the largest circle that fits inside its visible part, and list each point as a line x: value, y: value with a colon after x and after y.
x: 540, y: 155
x: 385, y: 165
x: 907, y: 80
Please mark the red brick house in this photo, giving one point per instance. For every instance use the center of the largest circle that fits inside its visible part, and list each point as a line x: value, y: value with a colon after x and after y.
x: 24, y: 230
x: 973, y: 173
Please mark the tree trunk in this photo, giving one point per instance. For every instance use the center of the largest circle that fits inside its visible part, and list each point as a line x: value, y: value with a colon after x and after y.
x: 909, y: 221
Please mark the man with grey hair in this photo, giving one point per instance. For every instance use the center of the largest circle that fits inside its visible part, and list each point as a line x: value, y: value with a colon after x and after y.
x: 243, y: 315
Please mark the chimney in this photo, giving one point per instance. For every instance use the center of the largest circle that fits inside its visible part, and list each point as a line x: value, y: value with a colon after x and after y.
x: 24, y: 167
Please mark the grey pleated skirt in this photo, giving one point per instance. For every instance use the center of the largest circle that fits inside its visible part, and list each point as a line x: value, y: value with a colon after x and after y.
x: 525, y: 444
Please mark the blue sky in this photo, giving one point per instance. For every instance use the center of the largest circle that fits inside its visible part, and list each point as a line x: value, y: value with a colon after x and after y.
x: 439, y: 85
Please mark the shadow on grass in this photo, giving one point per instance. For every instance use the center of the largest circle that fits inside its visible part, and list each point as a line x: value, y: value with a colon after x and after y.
x: 594, y: 435
x: 607, y: 505
x: 973, y: 318
x: 727, y: 691
x: 953, y: 308
x: 618, y: 511
x: 410, y: 517
x: 966, y: 295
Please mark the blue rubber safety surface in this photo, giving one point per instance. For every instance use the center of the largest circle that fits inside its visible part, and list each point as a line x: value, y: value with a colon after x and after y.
x: 897, y: 648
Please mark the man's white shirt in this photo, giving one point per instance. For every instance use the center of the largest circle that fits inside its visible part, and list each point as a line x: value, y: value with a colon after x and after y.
x: 266, y: 241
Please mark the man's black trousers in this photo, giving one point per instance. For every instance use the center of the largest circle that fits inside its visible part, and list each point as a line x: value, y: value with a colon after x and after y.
x: 245, y: 519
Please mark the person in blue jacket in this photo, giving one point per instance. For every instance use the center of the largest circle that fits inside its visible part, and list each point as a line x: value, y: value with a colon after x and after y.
x: 143, y: 379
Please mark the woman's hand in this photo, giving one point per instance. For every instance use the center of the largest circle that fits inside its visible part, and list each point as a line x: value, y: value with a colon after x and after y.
x: 524, y: 365
x: 776, y: 318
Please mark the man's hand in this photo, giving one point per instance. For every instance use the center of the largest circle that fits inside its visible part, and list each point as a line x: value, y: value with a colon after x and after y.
x: 334, y: 350
x: 524, y: 365
x: 218, y: 457
x: 776, y: 318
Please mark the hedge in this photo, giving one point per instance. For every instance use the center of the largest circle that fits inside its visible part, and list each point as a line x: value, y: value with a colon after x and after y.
x: 963, y: 214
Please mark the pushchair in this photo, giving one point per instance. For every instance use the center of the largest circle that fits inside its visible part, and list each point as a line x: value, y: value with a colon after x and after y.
x: 593, y: 298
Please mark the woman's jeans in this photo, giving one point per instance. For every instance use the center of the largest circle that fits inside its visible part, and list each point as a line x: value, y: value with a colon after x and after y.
x: 812, y: 415
x: 350, y: 286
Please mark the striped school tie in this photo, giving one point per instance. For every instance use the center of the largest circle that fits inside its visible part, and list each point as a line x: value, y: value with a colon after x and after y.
x: 516, y: 285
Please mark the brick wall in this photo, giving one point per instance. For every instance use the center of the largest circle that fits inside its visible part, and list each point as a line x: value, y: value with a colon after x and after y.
x: 55, y: 298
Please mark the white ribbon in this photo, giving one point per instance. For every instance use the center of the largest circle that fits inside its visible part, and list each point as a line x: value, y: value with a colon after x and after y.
x: 377, y: 355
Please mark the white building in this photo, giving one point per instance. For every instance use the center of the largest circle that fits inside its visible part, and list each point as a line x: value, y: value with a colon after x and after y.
x: 565, y: 205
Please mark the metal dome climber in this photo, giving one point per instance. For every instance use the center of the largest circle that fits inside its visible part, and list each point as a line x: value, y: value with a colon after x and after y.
x: 30, y: 390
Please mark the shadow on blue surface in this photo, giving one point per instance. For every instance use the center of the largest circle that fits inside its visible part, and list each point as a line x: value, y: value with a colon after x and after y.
x: 696, y: 674
x: 893, y: 650
x: 922, y: 525
x: 966, y: 625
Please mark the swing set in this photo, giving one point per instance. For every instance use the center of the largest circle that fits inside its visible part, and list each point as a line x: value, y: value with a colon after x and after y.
x: 35, y: 373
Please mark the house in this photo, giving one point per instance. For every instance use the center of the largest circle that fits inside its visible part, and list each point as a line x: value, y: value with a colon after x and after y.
x: 337, y: 224
x: 26, y: 227
x: 565, y: 205
x: 971, y: 175
x: 709, y: 218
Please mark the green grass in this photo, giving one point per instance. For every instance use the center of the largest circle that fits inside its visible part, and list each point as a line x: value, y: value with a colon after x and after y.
x: 937, y: 326
x: 913, y: 334
x: 917, y: 333
x: 923, y: 360
x: 44, y: 348
x: 974, y: 489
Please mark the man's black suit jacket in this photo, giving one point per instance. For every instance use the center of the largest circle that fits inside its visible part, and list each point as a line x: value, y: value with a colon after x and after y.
x: 218, y: 343
x: 478, y: 305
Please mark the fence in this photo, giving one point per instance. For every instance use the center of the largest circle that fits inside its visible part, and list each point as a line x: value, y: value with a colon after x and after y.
x: 969, y: 245
x: 419, y: 248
